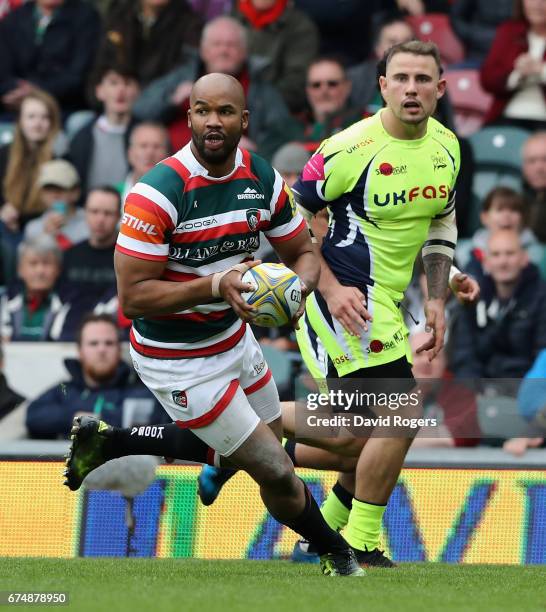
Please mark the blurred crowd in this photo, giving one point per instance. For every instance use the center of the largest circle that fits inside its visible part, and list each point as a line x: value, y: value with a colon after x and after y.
x: 94, y: 93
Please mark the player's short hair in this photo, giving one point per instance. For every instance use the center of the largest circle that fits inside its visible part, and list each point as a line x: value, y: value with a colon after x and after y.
x: 504, y: 197
x: 415, y: 47
x: 94, y: 318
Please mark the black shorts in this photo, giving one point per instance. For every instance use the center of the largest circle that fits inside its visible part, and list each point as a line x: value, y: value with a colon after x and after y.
x: 373, y: 380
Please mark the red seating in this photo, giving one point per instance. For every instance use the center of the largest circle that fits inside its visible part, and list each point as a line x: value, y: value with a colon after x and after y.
x: 470, y: 102
x: 436, y: 28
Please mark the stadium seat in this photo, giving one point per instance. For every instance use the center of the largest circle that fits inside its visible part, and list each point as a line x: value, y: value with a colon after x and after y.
x: 497, y: 158
x: 436, y: 28
x: 470, y: 102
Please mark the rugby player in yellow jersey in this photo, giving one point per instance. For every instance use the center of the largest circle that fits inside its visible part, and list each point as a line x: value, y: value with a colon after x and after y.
x: 186, y: 233
x: 388, y: 183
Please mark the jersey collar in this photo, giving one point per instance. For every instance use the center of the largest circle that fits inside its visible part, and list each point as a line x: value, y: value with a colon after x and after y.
x: 186, y: 156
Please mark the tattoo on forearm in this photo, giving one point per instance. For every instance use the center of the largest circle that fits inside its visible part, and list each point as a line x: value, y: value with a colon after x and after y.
x: 437, y: 272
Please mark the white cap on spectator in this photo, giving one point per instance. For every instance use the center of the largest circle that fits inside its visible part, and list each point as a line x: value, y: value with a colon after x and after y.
x: 60, y: 173
x: 291, y: 157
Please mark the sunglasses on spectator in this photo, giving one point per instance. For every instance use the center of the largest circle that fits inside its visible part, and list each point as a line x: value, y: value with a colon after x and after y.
x: 329, y: 83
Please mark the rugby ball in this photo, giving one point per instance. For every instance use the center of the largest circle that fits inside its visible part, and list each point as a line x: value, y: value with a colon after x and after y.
x: 277, y: 293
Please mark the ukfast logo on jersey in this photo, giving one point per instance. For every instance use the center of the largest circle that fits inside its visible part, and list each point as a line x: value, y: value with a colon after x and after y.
x: 138, y: 224
x: 429, y: 192
x: 250, y: 194
x: 358, y: 145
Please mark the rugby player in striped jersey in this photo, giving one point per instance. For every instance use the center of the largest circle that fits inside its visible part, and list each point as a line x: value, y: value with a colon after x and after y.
x: 189, y: 229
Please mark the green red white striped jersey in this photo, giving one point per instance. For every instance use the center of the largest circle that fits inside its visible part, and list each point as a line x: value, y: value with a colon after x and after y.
x: 199, y: 225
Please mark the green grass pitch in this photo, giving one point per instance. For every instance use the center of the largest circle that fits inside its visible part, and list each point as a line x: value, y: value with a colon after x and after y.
x: 157, y: 585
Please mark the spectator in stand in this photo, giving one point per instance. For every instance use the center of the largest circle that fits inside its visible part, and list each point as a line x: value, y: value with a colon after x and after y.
x: 102, y: 6
x: 289, y: 160
x: 502, y: 209
x: 532, y: 406
x: 328, y: 90
x: 392, y: 30
x: 209, y: 9
x: 534, y: 174
x: 420, y: 7
x: 36, y: 130
x: 475, y: 22
x: 34, y: 312
x: 148, y: 36
x: 222, y: 49
x: 6, y: 6
x: 502, y: 334
x: 48, y: 44
x: 514, y: 71
x: 9, y: 399
x: 287, y: 38
x: 344, y: 27
x: 88, y: 279
x: 60, y: 191
x: 100, y: 384
x: 148, y: 145
x: 98, y: 149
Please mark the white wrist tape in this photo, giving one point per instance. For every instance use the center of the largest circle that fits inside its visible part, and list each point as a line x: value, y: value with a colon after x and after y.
x: 217, y: 277
x: 453, y: 271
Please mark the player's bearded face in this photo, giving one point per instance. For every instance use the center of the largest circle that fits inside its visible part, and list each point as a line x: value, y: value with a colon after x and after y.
x: 412, y: 87
x: 216, y: 133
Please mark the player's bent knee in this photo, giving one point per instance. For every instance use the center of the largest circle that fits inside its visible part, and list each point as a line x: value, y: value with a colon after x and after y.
x: 347, y: 447
x: 280, y: 476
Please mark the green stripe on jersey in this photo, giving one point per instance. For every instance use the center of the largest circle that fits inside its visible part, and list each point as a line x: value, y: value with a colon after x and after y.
x: 176, y: 330
x: 167, y: 182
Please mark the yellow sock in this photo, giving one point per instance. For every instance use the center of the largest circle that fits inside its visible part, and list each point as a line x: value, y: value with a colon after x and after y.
x: 334, y: 511
x: 364, y: 525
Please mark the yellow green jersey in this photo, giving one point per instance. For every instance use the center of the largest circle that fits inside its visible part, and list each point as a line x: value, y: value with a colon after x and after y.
x: 381, y: 194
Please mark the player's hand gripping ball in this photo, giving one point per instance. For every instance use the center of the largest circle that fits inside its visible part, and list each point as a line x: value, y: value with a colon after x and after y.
x: 277, y: 296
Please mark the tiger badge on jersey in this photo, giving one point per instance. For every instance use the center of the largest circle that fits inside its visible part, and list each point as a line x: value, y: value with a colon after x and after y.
x: 253, y: 218
x: 180, y: 398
